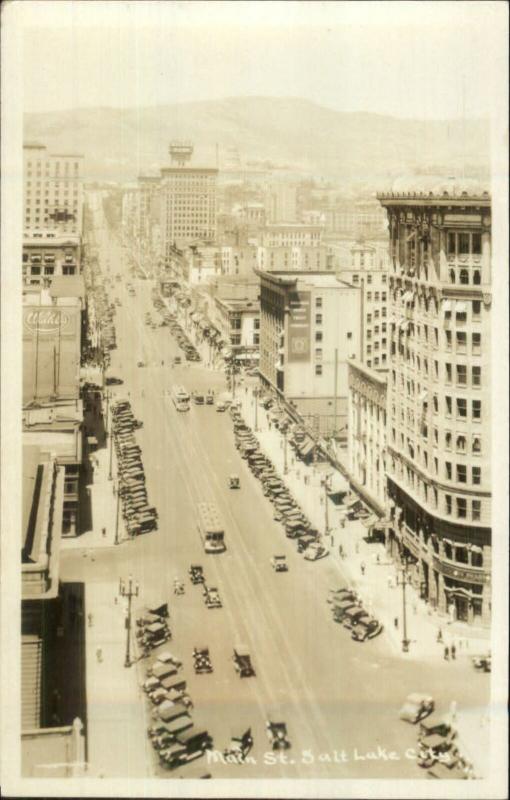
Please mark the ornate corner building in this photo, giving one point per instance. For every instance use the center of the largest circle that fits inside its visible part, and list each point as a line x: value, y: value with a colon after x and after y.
x: 438, y: 412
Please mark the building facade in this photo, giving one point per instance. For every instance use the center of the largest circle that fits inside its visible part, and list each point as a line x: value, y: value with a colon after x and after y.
x: 439, y: 429
x: 369, y: 271
x: 367, y: 433
x: 188, y: 206
x: 299, y: 258
x: 52, y: 191
x: 47, y: 254
x: 289, y: 235
x: 310, y: 326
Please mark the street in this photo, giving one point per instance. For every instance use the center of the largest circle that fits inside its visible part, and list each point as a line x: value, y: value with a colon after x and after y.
x: 339, y: 699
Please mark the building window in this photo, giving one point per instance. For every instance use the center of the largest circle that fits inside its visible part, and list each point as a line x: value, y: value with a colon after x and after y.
x: 461, y: 375
x: 461, y: 407
x: 476, y: 475
x: 451, y: 244
x: 477, y: 308
x: 448, y: 505
x: 476, y: 513
x: 318, y: 302
x: 477, y: 409
x: 477, y: 444
x: 318, y: 369
x: 256, y: 324
x: 448, y: 335
x: 318, y: 353
x: 476, y: 244
x: 476, y: 376
x: 448, y: 440
x: 369, y: 296
x: 461, y: 507
x: 448, y: 470
x: 318, y: 336
x: 256, y: 338
x: 461, y: 473
x: 448, y: 368
x: 463, y: 244
x: 461, y: 444
x: 461, y: 342
x: 448, y: 403
x: 349, y: 334
x: 477, y: 343
x: 318, y: 319
x: 435, y: 403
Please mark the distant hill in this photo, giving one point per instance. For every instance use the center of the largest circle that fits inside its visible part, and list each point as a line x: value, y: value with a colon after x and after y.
x: 119, y: 144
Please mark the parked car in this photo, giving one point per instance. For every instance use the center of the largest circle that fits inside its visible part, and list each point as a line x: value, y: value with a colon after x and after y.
x: 366, y: 628
x: 315, y: 551
x: 113, y: 381
x: 221, y: 405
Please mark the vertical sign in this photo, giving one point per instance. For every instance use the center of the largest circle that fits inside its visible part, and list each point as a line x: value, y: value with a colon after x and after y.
x: 299, y: 326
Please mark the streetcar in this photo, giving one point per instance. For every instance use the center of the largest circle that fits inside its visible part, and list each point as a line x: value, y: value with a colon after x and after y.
x: 211, y: 528
x: 181, y: 398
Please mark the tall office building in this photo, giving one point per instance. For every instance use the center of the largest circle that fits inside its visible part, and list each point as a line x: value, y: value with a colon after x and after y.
x: 439, y: 427
x: 52, y: 191
x: 188, y: 201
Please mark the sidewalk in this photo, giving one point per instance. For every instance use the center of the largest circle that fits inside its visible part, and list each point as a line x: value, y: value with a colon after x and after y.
x: 378, y: 585
x: 117, y: 741
x: 103, y: 502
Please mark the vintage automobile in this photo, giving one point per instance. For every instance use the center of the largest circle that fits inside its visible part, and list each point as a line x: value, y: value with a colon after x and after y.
x: 304, y: 541
x: 417, y: 706
x: 482, y: 663
x: 354, y: 616
x: 277, y: 735
x: 239, y: 747
x: 177, y: 361
x: 196, y: 573
x: 279, y: 563
x: 366, y: 628
x: 436, y: 748
x: 168, y: 658
x: 315, y: 551
x: 209, y: 399
x: 202, y: 660
x: 113, y: 381
x: 221, y: 405
x: 187, y: 746
x: 141, y: 364
x: 212, y: 597
x: 198, y: 399
x: 234, y: 482
x: 335, y: 595
x: 242, y: 661
x: 436, y: 724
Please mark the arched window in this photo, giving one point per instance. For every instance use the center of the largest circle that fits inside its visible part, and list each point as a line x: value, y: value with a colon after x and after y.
x: 464, y: 276
x: 461, y: 443
x: 477, y: 279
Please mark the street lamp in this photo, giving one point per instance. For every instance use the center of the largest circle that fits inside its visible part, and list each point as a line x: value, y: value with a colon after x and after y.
x: 128, y: 590
x: 403, y: 580
x: 256, y: 398
x: 117, y: 514
x: 285, y: 465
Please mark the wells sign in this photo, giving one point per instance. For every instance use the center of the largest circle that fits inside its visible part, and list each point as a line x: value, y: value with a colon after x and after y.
x: 47, y: 321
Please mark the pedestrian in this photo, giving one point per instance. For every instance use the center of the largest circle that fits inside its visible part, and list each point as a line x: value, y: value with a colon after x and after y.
x: 395, y: 622
x: 378, y: 559
x: 99, y: 654
x: 439, y: 637
x: 104, y: 532
x: 453, y: 651
x: 446, y: 653
x: 362, y: 567
x: 89, y: 618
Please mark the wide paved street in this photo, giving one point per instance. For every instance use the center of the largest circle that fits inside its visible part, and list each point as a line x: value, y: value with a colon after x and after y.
x: 339, y: 699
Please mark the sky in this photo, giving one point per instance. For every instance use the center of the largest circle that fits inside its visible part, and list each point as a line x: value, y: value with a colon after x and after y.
x: 424, y: 60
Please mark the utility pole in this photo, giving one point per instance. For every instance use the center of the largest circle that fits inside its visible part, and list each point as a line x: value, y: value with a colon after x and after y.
x: 256, y: 398
x: 335, y: 395
x: 128, y: 590
x: 117, y: 514
x: 285, y: 465
x: 326, y: 482
x: 403, y: 581
x: 110, y: 475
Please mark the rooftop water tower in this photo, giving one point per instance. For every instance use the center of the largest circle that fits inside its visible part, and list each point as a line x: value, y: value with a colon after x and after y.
x: 180, y: 152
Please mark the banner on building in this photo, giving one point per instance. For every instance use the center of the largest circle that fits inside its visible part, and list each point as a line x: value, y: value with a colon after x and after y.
x: 299, y: 348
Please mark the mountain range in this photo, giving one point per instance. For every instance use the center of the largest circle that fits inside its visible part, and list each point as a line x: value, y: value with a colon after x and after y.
x: 292, y: 134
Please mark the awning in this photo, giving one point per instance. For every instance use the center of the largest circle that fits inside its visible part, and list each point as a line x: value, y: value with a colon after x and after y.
x: 306, y: 447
